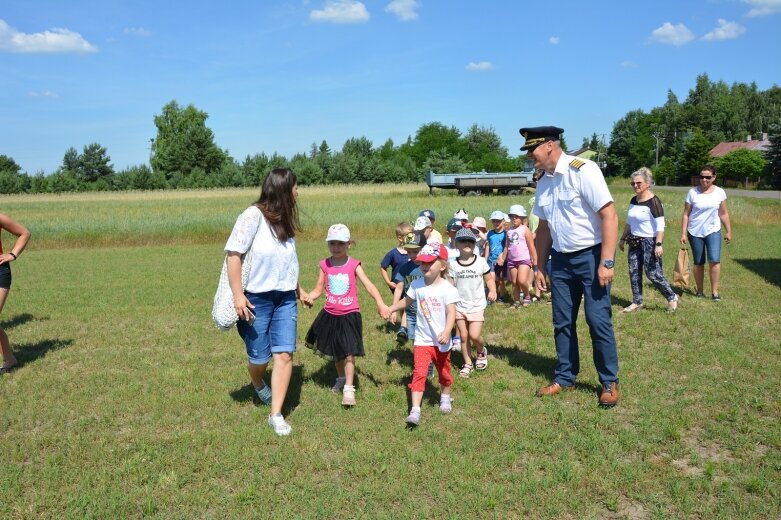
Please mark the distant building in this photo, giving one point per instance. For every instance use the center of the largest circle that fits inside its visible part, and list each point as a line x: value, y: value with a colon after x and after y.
x: 724, y: 148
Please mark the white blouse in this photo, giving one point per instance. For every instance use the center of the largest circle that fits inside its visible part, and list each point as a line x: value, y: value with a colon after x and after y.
x: 274, y: 263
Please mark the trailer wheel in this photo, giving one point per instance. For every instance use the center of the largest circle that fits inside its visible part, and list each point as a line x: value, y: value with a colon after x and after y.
x: 514, y: 193
x: 473, y: 193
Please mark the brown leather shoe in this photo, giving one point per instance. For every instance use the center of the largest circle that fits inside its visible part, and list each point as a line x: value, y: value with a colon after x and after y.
x: 609, y: 396
x: 553, y: 389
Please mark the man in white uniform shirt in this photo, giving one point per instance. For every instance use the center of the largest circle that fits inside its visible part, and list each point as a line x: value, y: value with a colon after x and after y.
x: 578, y: 228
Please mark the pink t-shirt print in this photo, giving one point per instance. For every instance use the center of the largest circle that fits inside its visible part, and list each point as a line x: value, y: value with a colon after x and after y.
x: 341, y: 293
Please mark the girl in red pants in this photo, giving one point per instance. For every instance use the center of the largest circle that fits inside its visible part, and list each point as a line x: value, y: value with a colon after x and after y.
x: 436, y: 299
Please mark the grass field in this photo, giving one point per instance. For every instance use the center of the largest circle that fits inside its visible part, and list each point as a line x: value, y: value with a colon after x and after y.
x: 129, y: 403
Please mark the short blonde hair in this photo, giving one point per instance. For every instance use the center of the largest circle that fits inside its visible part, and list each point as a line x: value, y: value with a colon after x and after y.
x: 645, y: 173
x: 402, y: 228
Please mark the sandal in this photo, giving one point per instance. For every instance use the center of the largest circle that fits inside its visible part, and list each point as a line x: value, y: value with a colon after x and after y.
x: 482, y: 359
x: 517, y: 305
x: 466, y: 370
x: 526, y: 302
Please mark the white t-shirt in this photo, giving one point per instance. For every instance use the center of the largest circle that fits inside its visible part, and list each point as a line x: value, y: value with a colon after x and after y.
x: 704, y: 217
x: 645, y: 218
x: 569, y: 199
x: 274, y: 263
x: 432, y: 303
x: 469, y: 282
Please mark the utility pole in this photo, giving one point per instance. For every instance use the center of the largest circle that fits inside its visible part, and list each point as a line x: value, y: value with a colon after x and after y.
x: 657, y: 135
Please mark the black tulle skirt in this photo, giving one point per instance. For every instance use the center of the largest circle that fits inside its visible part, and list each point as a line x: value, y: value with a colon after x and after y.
x: 336, y: 337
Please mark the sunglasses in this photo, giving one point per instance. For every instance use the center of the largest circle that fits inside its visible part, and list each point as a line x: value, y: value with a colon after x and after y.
x: 706, y: 177
x: 639, y: 183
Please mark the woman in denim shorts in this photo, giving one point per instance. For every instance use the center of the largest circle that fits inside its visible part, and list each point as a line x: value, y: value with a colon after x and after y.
x: 267, y: 308
x: 704, y: 212
x: 15, y: 228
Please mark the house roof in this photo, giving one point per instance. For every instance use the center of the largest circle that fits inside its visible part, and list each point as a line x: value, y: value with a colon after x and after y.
x: 727, y: 147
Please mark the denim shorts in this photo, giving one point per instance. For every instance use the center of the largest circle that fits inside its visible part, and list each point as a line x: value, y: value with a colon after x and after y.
x: 711, y: 243
x: 274, y: 329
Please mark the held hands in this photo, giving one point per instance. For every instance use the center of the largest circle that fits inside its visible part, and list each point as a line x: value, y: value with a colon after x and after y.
x: 385, y: 313
x: 306, y: 300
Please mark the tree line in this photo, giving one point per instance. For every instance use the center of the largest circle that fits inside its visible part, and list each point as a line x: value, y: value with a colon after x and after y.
x: 674, y: 140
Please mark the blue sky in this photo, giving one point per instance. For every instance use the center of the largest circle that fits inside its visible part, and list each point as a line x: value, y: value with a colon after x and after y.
x: 279, y: 75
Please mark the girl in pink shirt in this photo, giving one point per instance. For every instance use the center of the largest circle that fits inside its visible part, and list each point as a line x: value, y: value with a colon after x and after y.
x: 337, y: 332
x: 519, y: 256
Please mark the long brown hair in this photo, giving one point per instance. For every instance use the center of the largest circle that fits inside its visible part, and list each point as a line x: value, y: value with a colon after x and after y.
x: 278, y: 204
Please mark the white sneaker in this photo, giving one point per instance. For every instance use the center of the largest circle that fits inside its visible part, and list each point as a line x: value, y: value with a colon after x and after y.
x: 338, y: 385
x: 348, y: 395
x: 413, y: 418
x: 278, y: 423
x: 445, y: 405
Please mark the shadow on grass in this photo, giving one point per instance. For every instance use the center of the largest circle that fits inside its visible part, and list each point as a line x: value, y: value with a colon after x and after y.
x: 19, y: 319
x: 430, y: 392
x: 767, y: 268
x: 401, y: 355
x: 247, y: 393
x: 29, y: 352
x: 538, y: 365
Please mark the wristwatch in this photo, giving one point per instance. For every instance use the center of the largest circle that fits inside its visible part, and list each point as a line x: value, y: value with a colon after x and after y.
x: 608, y: 263
x: 658, y: 244
x: 534, y: 268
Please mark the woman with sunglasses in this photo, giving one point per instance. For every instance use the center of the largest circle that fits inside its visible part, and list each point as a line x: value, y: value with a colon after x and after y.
x: 704, y: 212
x: 644, y: 231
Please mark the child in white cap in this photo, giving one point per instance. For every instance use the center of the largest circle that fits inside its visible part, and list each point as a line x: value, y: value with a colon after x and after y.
x: 436, y: 300
x: 520, y: 255
x: 337, y: 332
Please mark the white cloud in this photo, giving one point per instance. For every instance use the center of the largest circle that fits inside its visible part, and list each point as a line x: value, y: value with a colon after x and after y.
x: 763, y: 7
x: 45, y: 93
x: 672, y: 34
x: 725, y: 31
x: 627, y: 64
x: 137, y: 31
x: 480, y: 65
x: 554, y: 40
x: 406, y: 10
x: 340, y: 11
x: 52, y: 40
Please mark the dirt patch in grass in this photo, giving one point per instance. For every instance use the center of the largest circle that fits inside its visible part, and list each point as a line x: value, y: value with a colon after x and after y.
x: 627, y: 510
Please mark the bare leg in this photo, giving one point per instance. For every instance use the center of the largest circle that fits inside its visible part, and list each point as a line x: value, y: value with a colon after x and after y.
x: 466, y: 351
x: 475, y: 335
x: 714, y: 270
x: 699, y: 275
x: 280, y: 380
x: 417, y: 398
x: 256, y: 373
x: 9, y: 359
x: 348, y: 370
x: 516, y: 284
x: 339, y: 363
x: 523, y: 280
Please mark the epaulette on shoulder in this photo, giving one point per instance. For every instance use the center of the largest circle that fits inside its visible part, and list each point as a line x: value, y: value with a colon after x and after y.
x: 577, y: 163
